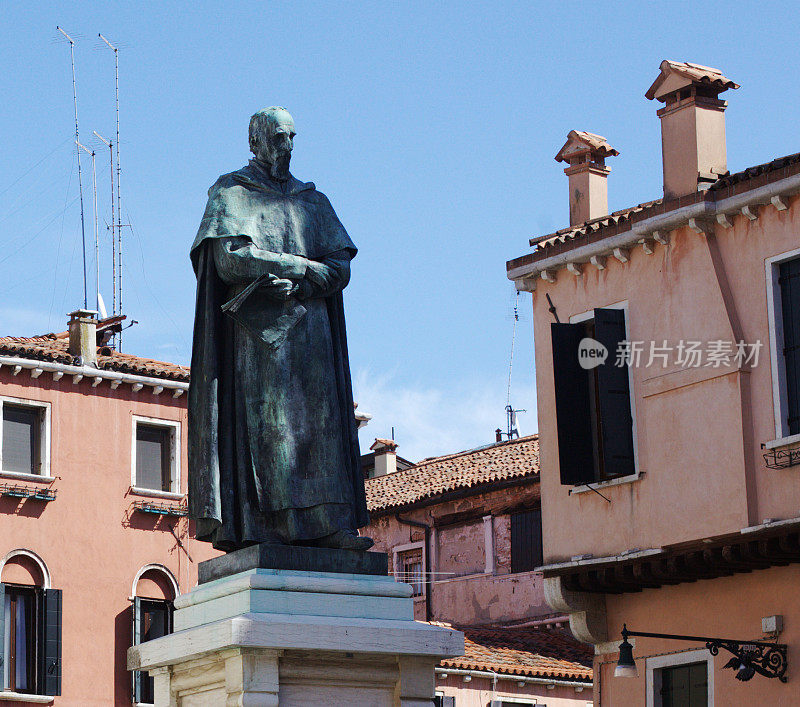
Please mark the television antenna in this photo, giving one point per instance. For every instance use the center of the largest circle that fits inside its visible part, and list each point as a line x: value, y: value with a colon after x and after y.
x: 118, y: 292
x: 96, y: 235
x: 78, y: 153
x: 113, y: 226
x: 512, y: 430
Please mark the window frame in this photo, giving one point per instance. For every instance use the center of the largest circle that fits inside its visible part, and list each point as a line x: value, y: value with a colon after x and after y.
x: 32, y: 629
x: 674, y: 660
x: 137, y: 605
x: 586, y: 316
x: 174, y: 427
x: 44, y: 410
x: 777, y: 360
x: 400, y: 550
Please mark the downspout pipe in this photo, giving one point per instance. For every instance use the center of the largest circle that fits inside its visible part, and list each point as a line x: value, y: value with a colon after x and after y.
x: 426, y: 583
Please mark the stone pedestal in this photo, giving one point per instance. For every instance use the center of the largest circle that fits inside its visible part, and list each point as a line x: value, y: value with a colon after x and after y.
x: 287, y: 637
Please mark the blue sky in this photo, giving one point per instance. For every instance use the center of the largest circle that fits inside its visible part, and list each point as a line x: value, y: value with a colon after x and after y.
x: 431, y: 126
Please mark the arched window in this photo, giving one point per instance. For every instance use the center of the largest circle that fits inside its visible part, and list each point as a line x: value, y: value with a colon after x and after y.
x: 154, y: 590
x: 30, y: 626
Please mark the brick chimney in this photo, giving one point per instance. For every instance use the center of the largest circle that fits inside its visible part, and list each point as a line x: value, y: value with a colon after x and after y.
x: 586, y: 153
x: 385, y: 456
x: 83, y: 336
x: 692, y: 125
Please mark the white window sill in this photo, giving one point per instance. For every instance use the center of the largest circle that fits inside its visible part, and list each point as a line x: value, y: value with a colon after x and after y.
x: 138, y: 491
x: 781, y: 442
x: 25, y: 477
x: 605, y: 484
x: 20, y: 697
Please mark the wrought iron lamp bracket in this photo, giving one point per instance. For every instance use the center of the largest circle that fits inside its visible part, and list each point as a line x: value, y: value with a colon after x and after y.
x: 750, y: 657
x: 765, y: 659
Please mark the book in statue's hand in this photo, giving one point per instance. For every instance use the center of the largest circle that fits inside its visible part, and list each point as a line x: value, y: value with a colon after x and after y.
x: 264, y: 317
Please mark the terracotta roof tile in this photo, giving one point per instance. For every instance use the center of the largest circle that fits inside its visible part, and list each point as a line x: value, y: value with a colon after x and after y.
x: 50, y: 348
x: 432, y: 477
x: 533, y: 652
x: 749, y: 178
x: 594, y: 143
x: 694, y: 72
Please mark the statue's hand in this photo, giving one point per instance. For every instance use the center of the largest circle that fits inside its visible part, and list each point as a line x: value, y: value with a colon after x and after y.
x: 280, y: 289
x: 320, y: 274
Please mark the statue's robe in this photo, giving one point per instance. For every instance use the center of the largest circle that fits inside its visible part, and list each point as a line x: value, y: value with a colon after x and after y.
x: 273, y: 444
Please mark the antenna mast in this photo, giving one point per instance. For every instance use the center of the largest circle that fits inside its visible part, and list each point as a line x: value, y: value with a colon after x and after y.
x: 119, y: 195
x: 78, y: 153
x: 110, y: 147
x: 511, y: 413
x: 96, y: 237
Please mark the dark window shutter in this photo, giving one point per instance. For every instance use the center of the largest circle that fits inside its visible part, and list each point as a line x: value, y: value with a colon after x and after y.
x: 136, y: 675
x: 50, y: 645
x: 789, y: 280
x: 526, y: 540
x: 573, y: 416
x: 616, y: 422
x: 2, y: 634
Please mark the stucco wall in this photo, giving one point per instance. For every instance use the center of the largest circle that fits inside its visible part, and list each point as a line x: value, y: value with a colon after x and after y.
x: 729, y: 607
x: 462, y: 592
x: 698, y: 431
x: 90, y: 539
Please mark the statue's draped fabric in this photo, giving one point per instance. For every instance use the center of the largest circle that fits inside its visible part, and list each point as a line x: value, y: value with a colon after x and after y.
x: 273, y: 446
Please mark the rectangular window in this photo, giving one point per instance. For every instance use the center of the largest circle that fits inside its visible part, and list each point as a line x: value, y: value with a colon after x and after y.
x: 411, y: 570
x: 23, y: 435
x: 526, y: 540
x: 30, y: 649
x: 152, y: 618
x: 154, y: 454
x: 789, y: 283
x: 594, y: 419
x: 683, y: 686
x: 444, y: 701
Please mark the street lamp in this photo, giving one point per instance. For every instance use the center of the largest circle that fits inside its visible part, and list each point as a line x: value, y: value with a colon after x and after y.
x: 750, y: 657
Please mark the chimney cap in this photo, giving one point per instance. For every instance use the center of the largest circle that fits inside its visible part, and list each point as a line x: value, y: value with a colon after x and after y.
x: 383, y: 445
x: 581, y: 143
x: 679, y: 74
x: 83, y: 314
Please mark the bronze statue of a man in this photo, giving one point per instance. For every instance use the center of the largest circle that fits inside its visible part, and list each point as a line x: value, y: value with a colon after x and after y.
x: 273, y: 446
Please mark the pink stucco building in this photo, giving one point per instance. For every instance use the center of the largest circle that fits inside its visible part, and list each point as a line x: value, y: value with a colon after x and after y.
x: 667, y: 343
x: 94, y: 539
x: 464, y: 530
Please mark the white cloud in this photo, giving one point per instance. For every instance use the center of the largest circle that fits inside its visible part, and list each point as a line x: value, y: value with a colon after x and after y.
x: 430, y: 421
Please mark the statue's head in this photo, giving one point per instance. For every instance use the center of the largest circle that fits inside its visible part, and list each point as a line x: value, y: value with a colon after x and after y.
x: 271, y: 139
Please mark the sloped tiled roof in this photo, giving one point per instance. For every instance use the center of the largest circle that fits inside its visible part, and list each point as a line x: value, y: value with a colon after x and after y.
x: 524, y: 651
x: 617, y: 222
x: 595, y: 143
x: 694, y: 72
x: 50, y: 347
x: 517, y: 458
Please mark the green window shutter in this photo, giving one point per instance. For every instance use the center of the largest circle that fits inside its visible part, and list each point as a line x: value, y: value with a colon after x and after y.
x: 50, y: 645
x: 136, y: 675
x: 573, y: 412
x: 614, y: 397
x: 2, y: 635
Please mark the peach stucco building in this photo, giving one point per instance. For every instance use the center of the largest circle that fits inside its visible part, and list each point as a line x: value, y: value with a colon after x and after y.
x: 94, y: 539
x: 670, y: 487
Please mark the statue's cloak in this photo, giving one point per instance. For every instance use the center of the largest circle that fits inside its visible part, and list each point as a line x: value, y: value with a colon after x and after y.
x: 289, y: 217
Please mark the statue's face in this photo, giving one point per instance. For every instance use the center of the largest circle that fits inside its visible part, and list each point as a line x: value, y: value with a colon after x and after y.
x: 274, y: 145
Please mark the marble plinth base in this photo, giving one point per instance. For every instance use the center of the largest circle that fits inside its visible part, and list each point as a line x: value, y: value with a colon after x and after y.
x: 293, y: 557
x: 289, y: 638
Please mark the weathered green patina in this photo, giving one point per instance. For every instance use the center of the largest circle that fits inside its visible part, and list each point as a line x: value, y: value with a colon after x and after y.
x: 273, y: 447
